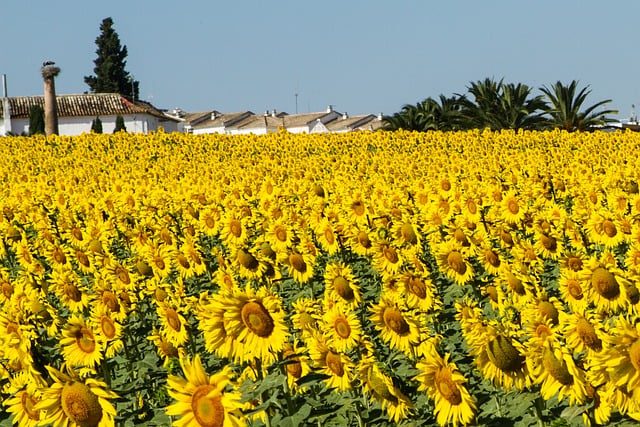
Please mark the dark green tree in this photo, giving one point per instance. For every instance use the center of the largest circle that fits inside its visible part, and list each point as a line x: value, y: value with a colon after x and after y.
x: 110, y: 74
x: 120, y: 126
x: 498, y: 105
x: 427, y: 115
x: 36, y: 120
x: 566, y: 108
x: 96, y: 125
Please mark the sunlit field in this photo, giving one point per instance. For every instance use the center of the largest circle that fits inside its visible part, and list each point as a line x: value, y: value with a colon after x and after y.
x: 472, y: 278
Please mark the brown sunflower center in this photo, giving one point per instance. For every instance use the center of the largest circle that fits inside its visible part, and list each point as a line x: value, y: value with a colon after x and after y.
x: 513, y: 206
x: 548, y: 311
x: 543, y: 331
x: 504, y: 355
x: 393, y: 320
x: 363, y: 239
x: 447, y: 387
x: 280, y: 233
x: 7, y: 289
x: 257, y: 319
x: 609, y: 228
x: 456, y: 262
x: 556, y: 368
x: 209, y: 222
x: 110, y: 300
x: 122, y: 274
x: 85, y: 340
x: 183, y: 261
x: 297, y: 262
x: 342, y: 328
x: 72, y: 292
x: 83, y: 258
x: 329, y: 236
x: 247, y: 260
x: 417, y: 287
x: 548, y: 242
x: 492, y: 258
x: 574, y: 289
x: 334, y: 362
x: 293, y: 366
x: 108, y: 327
x: 408, y: 233
x: 342, y: 287
x: 208, y: 411
x: 81, y: 405
x: 173, y: 320
x: 390, y: 254
x: 605, y: 283
x: 59, y: 256
x: 574, y: 263
x: 235, y: 227
x: 358, y: 208
x: 587, y: 334
x: 515, y: 284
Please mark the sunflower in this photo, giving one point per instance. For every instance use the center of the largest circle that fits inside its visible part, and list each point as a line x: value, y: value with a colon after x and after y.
x: 453, y: 262
x: 249, y: 263
x: 603, y: 228
x: 398, y: 326
x: 279, y: 235
x: 107, y: 330
x: 204, y: 400
x: 583, y: 331
x: 621, y: 356
x: 360, y: 240
x: 300, y: 265
x: 341, y: 328
x: 419, y: 291
x: 548, y: 245
x: 405, y: 233
x: 442, y: 381
x: 552, y: 366
x: 336, y: 365
x: 80, y: 346
x: 382, y: 390
x: 164, y: 348
x: 512, y: 208
x: 174, y: 325
x: 160, y: 259
x: 305, y: 315
x: 71, y: 401
x: 500, y: 357
x: 491, y: 259
x: 69, y: 288
x: 340, y: 284
x: 573, y: 290
x: 327, y: 237
x: 387, y: 259
x: 210, y: 315
x: 256, y: 320
x: 297, y: 365
x: 606, y: 284
x: 24, y: 390
x: 235, y: 229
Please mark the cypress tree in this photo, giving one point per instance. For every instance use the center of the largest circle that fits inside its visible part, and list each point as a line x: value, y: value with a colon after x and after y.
x: 96, y: 125
x: 120, y: 125
x: 110, y: 74
x: 36, y: 120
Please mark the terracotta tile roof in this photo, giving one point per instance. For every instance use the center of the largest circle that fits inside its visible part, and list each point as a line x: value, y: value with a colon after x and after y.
x: 80, y: 105
x: 353, y: 123
x: 223, y: 120
x: 299, y: 120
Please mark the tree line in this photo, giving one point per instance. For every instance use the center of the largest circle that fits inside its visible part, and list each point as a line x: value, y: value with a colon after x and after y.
x: 498, y: 105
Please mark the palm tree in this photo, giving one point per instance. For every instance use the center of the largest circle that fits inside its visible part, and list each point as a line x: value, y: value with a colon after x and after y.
x: 565, y: 109
x: 497, y: 105
x: 427, y: 115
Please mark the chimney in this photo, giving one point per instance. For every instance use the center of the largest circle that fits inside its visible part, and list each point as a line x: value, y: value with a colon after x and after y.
x: 273, y: 113
x: 379, y: 116
x: 213, y: 115
x: 345, y: 116
x: 330, y: 109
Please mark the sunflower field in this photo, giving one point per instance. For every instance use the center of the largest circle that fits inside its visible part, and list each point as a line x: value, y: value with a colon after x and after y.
x: 470, y: 278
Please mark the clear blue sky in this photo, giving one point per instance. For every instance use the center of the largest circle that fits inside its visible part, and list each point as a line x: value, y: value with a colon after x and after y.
x: 360, y: 56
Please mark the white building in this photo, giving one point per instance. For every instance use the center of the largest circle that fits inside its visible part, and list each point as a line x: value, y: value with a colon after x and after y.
x: 77, y: 112
x: 246, y: 122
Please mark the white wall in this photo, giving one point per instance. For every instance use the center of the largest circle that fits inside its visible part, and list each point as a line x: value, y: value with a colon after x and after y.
x: 139, y: 123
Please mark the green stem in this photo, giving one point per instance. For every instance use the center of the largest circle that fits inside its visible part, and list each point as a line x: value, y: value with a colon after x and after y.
x: 539, y: 406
